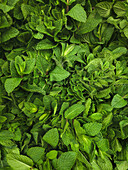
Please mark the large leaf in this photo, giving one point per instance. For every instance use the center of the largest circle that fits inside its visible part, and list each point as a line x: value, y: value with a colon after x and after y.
x: 19, y: 162
x: 66, y: 160
x: 91, y: 23
x: 74, y: 111
x: 78, y: 13
x: 52, y: 137
x: 92, y: 128
x: 118, y: 101
x: 9, y: 33
x: 103, y: 8
x: 35, y: 153
x: 12, y: 83
x: 45, y: 44
x: 59, y: 74
x: 119, y: 8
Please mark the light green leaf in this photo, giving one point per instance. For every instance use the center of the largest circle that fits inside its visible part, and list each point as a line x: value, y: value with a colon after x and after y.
x: 96, y: 116
x: 9, y: 33
x: 59, y: 74
x: 52, y: 154
x: 91, y: 23
x: 11, y: 84
x: 74, y: 111
x: 29, y: 66
x: 122, y: 165
x: 119, y: 8
x: 19, y: 162
x: 52, y: 137
x: 2, y: 119
x: 45, y: 45
x: 126, y: 31
x: 6, y: 135
x: 92, y: 129
x: 78, y: 13
x: 124, y: 128
x: 104, y: 8
x: 118, y: 101
x: 42, y: 64
x: 66, y: 160
x: 35, y: 153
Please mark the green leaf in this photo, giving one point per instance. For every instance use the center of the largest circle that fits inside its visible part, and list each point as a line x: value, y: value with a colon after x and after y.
x: 104, y: 8
x: 92, y: 129
x: 2, y: 119
x: 118, y: 101
x: 124, y: 128
x: 12, y: 83
x: 119, y: 8
x: 66, y: 160
x: 19, y: 162
x: 74, y: 111
x: 91, y: 23
x: 52, y: 137
x: 42, y: 64
x: 9, y: 33
x: 6, y: 135
x: 78, y: 13
x: 126, y: 31
x: 35, y: 153
x: 52, y: 154
x: 58, y: 74
x: 45, y: 45
x: 96, y: 116
x: 29, y: 66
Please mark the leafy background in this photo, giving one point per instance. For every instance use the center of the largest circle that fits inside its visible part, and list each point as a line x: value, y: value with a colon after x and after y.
x: 63, y: 84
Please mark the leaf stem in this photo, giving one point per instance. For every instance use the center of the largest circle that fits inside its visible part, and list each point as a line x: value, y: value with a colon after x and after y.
x: 67, y: 9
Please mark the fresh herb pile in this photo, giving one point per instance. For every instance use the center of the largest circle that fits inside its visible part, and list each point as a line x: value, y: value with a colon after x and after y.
x: 63, y: 85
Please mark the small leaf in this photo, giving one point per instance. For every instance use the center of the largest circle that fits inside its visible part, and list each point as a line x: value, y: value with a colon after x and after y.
x: 66, y: 160
x: 78, y: 13
x: 12, y: 83
x: 52, y: 154
x: 59, y: 74
x: 118, y: 101
x: 52, y: 137
x: 74, y: 111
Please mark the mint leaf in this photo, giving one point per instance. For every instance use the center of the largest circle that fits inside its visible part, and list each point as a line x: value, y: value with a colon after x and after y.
x: 92, y: 129
x: 58, y: 74
x: 35, y: 153
x: 118, y: 101
x: 20, y: 162
x: 78, y: 13
x: 45, y: 44
x: 104, y: 8
x: 52, y: 137
x: 12, y: 83
x: 74, y: 111
x: 66, y: 160
x: 9, y: 33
